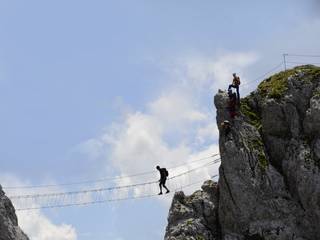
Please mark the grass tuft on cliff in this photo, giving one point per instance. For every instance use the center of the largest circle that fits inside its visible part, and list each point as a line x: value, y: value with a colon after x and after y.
x: 247, y: 110
x: 276, y: 85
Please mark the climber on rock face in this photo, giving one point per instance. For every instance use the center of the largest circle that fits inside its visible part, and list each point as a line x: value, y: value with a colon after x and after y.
x: 232, y: 104
x: 163, y: 178
x: 226, y: 126
x: 235, y: 84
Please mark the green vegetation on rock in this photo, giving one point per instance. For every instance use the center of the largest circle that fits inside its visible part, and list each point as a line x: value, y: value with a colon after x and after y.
x: 263, y: 163
x: 254, y: 119
x: 311, y: 72
x: 257, y: 145
x: 250, y: 113
x: 276, y: 85
x: 189, y: 222
x: 316, y: 93
x: 200, y: 237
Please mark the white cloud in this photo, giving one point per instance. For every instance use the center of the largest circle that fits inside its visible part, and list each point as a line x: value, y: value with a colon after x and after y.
x: 92, y: 148
x: 209, y: 131
x: 206, y: 71
x: 38, y: 227
x: 232, y: 63
x: 34, y: 223
x: 176, y: 110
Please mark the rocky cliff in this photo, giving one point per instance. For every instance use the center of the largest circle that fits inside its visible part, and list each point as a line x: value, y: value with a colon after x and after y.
x: 269, y: 183
x: 9, y: 229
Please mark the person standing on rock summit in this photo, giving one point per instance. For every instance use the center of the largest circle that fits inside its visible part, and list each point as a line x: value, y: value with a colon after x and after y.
x: 235, y: 84
x: 163, y: 178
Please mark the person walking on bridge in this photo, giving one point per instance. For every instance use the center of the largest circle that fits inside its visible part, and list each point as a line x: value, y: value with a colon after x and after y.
x: 163, y: 178
x: 235, y: 84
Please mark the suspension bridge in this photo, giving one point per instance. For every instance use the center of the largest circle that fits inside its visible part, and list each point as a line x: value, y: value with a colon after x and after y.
x: 116, y: 191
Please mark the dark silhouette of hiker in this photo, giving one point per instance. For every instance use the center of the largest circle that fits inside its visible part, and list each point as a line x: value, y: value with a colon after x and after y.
x: 235, y: 84
x: 163, y: 178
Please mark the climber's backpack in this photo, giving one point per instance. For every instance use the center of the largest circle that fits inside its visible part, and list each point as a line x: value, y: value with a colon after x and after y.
x: 237, y: 81
x: 166, y: 172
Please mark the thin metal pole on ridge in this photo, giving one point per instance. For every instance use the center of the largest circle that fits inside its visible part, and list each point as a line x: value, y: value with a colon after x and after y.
x: 284, y: 61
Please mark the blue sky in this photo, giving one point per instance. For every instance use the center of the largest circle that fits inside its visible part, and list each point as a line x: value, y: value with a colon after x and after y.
x: 100, y: 88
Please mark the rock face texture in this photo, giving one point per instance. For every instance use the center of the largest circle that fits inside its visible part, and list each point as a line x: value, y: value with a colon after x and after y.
x: 9, y: 229
x: 195, y: 216
x: 269, y: 183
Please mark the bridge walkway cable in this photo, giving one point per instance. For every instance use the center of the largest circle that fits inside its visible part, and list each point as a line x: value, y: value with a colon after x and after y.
x: 117, y: 199
x: 108, y: 188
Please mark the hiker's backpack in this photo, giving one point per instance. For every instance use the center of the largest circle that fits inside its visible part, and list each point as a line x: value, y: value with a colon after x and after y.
x: 166, y: 172
x: 237, y: 81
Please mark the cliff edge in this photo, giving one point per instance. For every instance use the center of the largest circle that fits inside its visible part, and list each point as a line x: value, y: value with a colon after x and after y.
x: 269, y: 183
x: 9, y: 229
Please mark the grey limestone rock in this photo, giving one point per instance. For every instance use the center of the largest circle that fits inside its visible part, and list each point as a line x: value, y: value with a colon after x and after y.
x: 269, y: 183
x: 9, y: 229
x: 194, y: 217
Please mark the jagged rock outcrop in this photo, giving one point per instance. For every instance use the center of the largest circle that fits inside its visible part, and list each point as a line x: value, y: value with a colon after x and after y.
x: 9, y: 229
x: 269, y: 184
x: 194, y: 217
